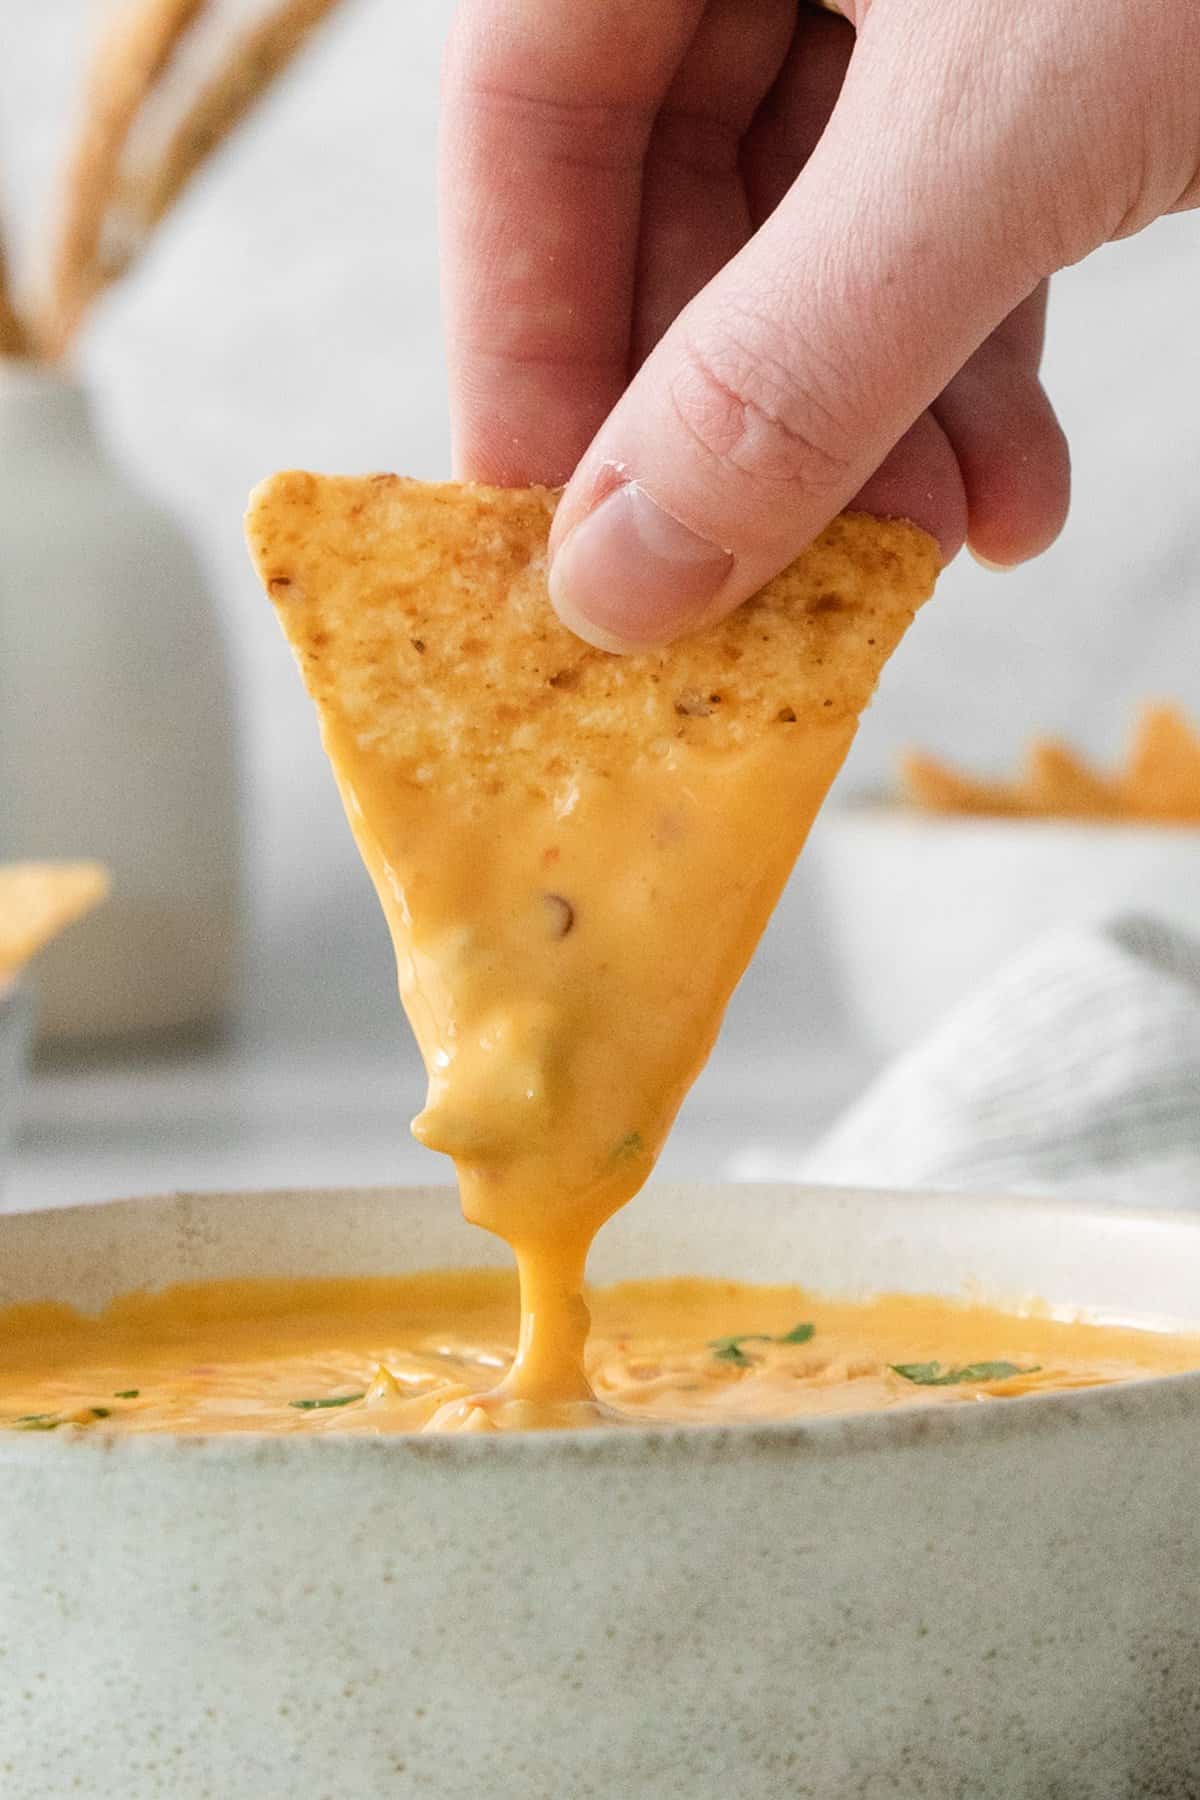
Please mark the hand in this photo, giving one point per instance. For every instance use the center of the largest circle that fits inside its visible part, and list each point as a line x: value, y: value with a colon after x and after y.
x: 736, y: 268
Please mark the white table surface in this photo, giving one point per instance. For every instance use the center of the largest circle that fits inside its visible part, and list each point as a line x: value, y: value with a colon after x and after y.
x: 335, y: 1115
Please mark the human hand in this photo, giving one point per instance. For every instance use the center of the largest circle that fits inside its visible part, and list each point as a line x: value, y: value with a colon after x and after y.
x: 724, y: 268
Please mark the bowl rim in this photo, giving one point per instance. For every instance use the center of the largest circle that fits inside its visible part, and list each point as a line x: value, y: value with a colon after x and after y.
x: 1027, y: 1417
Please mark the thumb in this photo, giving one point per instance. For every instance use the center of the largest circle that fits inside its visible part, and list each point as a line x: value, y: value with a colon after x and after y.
x: 785, y: 384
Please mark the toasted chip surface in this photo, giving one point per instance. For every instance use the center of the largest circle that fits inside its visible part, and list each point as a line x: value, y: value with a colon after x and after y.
x: 40, y: 899
x: 419, y: 616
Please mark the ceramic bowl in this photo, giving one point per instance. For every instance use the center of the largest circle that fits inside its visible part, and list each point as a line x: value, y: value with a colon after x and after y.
x: 920, y: 908
x: 1000, y: 1601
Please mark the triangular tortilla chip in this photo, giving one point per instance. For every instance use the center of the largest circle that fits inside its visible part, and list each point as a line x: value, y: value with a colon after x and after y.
x: 39, y: 900
x: 927, y: 782
x: 1058, y: 784
x: 576, y: 852
x: 1162, y: 773
x: 1161, y: 779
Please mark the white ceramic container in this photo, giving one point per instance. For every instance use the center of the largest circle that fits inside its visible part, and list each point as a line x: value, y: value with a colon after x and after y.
x: 919, y: 908
x: 116, y: 728
x: 15, y: 1015
x: 996, y: 1601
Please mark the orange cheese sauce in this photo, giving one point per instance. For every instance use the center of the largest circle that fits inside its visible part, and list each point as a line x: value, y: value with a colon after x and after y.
x: 565, y: 960
x: 385, y: 1355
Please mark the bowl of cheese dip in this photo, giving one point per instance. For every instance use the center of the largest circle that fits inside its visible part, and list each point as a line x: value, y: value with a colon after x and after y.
x: 986, y: 1580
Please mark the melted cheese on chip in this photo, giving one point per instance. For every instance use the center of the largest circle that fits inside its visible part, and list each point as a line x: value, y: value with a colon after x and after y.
x: 576, y: 853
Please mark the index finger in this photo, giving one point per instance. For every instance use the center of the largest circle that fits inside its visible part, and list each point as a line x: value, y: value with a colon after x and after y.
x: 547, y: 111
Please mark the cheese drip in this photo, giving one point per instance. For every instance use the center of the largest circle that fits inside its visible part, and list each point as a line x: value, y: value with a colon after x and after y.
x: 576, y: 853
x: 565, y: 960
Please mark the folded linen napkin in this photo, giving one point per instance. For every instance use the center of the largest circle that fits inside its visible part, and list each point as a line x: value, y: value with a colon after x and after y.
x: 1075, y: 1070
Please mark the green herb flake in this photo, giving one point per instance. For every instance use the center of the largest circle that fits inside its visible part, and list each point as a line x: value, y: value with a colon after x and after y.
x: 127, y: 1394
x: 932, y: 1374
x: 630, y: 1145
x: 101, y: 1412
x: 331, y: 1400
x: 729, y: 1349
x: 38, y: 1422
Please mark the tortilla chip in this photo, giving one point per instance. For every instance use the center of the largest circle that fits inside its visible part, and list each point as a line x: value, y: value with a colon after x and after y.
x: 1161, y: 779
x: 39, y: 900
x: 1060, y: 785
x: 936, y: 787
x: 419, y: 617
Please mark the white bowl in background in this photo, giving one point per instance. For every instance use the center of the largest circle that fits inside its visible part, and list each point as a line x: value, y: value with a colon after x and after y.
x: 919, y: 908
x: 997, y: 1600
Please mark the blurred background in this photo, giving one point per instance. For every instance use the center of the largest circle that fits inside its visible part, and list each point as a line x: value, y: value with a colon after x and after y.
x: 287, y: 314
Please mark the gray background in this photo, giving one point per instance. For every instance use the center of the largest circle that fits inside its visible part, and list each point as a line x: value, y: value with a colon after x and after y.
x: 289, y: 315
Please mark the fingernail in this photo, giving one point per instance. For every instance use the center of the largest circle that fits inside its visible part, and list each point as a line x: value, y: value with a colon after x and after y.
x: 993, y: 568
x: 630, y: 576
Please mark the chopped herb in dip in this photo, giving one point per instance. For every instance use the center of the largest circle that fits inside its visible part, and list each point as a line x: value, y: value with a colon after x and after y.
x: 330, y: 1400
x: 729, y: 1349
x: 932, y: 1374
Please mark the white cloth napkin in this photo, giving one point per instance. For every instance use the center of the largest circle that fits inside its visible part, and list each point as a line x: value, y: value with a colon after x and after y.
x: 1075, y: 1070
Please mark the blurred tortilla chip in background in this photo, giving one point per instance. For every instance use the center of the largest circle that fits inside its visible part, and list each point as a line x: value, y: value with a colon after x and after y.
x: 1159, y: 781
x: 38, y: 900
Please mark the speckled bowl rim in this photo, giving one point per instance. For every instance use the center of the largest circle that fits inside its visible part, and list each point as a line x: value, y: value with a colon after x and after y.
x: 826, y: 1438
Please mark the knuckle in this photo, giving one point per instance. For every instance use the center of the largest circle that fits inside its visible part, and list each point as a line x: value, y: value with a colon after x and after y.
x: 757, y: 415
